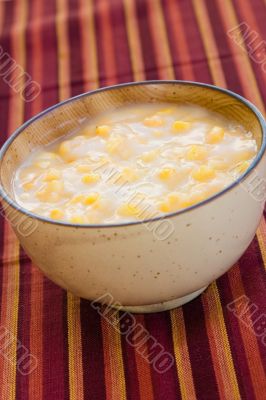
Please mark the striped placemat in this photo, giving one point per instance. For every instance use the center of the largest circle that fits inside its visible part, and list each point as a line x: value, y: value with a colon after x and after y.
x: 56, y: 346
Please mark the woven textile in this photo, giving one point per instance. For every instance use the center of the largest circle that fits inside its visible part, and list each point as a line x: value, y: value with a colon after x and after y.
x: 218, y: 341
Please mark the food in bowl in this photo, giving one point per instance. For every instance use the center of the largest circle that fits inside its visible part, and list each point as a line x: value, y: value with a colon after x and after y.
x: 134, y: 162
x: 131, y: 261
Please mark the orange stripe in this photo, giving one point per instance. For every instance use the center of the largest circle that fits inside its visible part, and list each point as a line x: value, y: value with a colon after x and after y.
x: 160, y: 41
x: 143, y: 368
x: 74, y: 348
x: 63, y: 49
x: 261, y: 236
x: 243, y: 64
x: 36, y: 295
x: 113, y: 360
x: 219, y: 345
x: 178, y: 32
x: 10, y: 288
x: 209, y: 42
x: 107, y: 42
x: 249, y: 339
x: 2, y: 11
x: 88, y: 43
x: 134, y: 40
x: 182, y: 355
x: 75, y: 365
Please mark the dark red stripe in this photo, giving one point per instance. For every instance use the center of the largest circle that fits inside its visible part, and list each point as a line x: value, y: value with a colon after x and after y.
x: 176, y: 57
x: 165, y: 385
x: 54, y: 342
x: 148, y: 52
x: 260, y: 15
x: 199, y: 351
x: 92, y: 352
x: 194, y: 42
x: 122, y: 54
x: 236, y: 342
x: 251, y: 265
x: 23, y: 336
x: 130, y: 368
x: 74, y: 37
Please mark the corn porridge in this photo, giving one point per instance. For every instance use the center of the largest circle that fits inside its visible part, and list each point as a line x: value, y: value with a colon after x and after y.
x: 134, y: 163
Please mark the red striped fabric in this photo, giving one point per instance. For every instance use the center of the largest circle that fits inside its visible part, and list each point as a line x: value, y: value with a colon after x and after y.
x: 218, y: 341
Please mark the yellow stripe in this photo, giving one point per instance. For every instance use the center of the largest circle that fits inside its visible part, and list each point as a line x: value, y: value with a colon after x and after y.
x: 74, y: 348
x: 209, y: 42
x: 134, y: 40
x: 243, y: 62
x: 217, y: 334
x: 63, y: 49
x: 160, y: 39
x: 261, y: 236
x: 90, y: 58
x: 10, y: 296
x: 249, y: 84
x: 182, y: 355
x: 113, y: 359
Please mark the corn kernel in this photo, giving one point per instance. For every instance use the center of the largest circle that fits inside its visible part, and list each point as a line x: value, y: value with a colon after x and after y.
x: 90, y: 178
x: 91, y: 198
x: 196, y: 153
x: 129, y: 175
x: 65, y: 151
x: 153, y: 121
x: 166, y: 173
x: 165, y: 207
x: 83, y: 168
x: 43, y: 164
x: 77, y: 219
x: 52, y: 175
x: 204, y: 173
x: 215, y: 135
x: 166, y: 111
x: 55, y: 186
x: 180, y: 126
x: 174, y: 199
x: 129, y: 210
x: 28, y: 186
x: 56, y: 214
x: 103, y: 130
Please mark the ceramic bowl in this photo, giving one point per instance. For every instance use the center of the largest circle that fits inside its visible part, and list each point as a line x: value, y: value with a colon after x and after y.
x: 155, y: 264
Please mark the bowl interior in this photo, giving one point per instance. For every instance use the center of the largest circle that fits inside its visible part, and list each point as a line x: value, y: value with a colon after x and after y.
x: 67, y: 116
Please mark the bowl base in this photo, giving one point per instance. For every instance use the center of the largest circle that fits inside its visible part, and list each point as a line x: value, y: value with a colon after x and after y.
x: 164, y: 306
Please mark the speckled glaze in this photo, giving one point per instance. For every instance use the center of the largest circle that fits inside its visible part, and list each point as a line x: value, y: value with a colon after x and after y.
x: 145, y: 266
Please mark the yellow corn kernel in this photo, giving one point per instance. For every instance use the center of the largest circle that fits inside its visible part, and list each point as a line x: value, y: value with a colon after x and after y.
x: 52, y: 175
x: 149, y: 156
x: 83, y: 168
x: 165, y: 207
x: 215, y: 135
x: 204, y: 173
x: 55, y: 186
x: 174, y: 199
x: 56, y: 214
x: 129, y: 210
x: 180, y: 126
x: 103, y: 130
x: 28, y: 186
x: 166, y: 173
x: 196, y: 153
x: 153, y: 121
x: 219, y: 165
x: 77, y: 219
x: 77, y: 199
x: 114, y: 143
x: 65, y: 151
x: 91, y: 198
x: 158, y: 134
x: 90, y: 178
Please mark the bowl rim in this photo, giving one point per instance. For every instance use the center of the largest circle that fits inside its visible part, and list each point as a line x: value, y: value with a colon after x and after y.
x: 235, y: 183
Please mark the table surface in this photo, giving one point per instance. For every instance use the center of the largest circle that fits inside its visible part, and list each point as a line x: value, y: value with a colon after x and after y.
x: 218, y: 341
